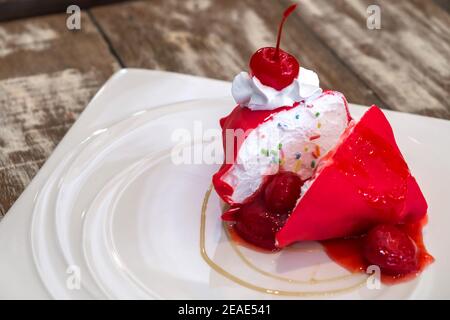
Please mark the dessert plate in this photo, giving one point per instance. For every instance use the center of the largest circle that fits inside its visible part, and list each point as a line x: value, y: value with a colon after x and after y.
x: 114, y: 213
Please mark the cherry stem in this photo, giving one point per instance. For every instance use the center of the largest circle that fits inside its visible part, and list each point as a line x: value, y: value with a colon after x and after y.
x: 286, y: 14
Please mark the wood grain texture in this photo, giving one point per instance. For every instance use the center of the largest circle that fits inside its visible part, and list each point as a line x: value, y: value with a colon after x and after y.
x: 47, y: 76
x: 406, y: 62
x: 404, y: 66
x: 48, y: 73
x: 216, y: 39
x: 444, y: 4
x: 14, y: 9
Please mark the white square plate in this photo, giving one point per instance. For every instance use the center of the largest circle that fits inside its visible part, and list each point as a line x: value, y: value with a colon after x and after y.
x: 111, y: 209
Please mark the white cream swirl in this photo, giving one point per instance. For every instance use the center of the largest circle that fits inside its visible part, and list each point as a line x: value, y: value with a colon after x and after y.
x: 250, y: 92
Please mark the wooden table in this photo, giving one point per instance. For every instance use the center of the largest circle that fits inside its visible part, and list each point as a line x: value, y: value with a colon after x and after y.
x: 48, y: 73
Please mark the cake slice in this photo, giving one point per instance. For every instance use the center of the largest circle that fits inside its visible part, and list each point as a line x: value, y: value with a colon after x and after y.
x: 298, y: 168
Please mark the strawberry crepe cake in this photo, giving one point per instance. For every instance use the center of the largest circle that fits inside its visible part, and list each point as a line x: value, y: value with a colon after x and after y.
x: 297, y: 167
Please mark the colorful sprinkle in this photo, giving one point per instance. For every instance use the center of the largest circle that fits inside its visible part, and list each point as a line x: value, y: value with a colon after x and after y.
x: 282, y: 125
x: 306, y: 149
x: 313, y: 164
x: 265, y: 152
x: 317, y: 136
x: 316, y: 152
x: 280, y: 146
x: 297, y: 165
x: 298, y: 155
x: 319, y: 125
x: 297, y: 116
x: 317, y: 114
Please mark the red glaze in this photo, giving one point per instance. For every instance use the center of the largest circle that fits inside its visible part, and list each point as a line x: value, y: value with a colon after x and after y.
x: 365, y: 182
x: 349, y: 253
x: 255, y: 227
x: 282, y: 192
x: 272, y: 66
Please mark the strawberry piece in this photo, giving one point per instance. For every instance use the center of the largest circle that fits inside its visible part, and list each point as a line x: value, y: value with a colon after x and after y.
x: 282, y: 192
x: 391, y: 249
x: 256, y: 225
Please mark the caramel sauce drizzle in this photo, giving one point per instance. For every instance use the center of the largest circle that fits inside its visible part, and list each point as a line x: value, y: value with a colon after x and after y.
x: 258, y: 288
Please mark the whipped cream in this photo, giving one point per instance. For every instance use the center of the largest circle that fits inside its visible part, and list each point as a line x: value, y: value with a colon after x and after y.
x: 250, y: 92
x: 294, y: 139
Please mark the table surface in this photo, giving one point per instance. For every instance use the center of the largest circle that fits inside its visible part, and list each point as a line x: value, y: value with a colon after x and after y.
x: 48, y: 73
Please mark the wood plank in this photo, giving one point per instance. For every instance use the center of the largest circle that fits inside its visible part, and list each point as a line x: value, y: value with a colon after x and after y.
x: 216, y: 39
x: 406, y: 62
x: 444, y: 4
x: 47, y: 76
x: 14, y: 9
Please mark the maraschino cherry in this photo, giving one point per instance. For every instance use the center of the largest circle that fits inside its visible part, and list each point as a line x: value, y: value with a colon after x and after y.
x: 272, y: 66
